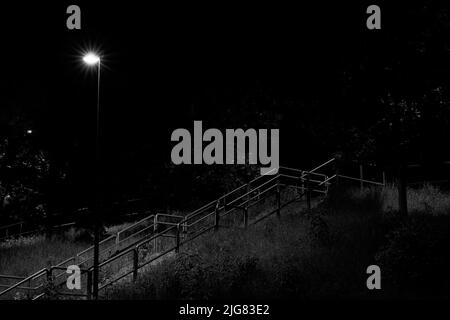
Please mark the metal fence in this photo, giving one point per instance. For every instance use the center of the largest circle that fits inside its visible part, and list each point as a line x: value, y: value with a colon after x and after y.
x: 84, y: 259
x: 241, y: 207
x: 160, y: 236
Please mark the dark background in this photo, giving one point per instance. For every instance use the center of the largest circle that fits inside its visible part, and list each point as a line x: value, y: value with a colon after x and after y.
x: 313, y: 71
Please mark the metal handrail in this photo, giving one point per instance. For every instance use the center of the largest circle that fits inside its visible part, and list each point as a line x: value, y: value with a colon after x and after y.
x: 249, y: 183
x: 134, y: 234
x: 38, y: 273
x: 361, y: 180
x: 134, y: 224
x: 206, y: 212
x: 42, y: 273
x: 328, y: 179
x: 202, y: 208
x: 130, y: 249
x: 246, y: 194
x: 184, y: 221
x: 117, y: 236
x: 301, y: 177
x: 11, y: 225
x: 304, y: 172
x: 200, y: 219
x: 188, y: 217
x: 323, y: 165
x: 92, y: 247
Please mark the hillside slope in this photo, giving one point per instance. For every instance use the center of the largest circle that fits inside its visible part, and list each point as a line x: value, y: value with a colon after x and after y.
x: 321, y: 254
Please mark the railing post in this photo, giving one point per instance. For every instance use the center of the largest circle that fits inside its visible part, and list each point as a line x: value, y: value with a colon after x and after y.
x: 29, y: 290
x: 48, y: 273
x: 308, y: 192
x: 384, y: 178
x: 402, y: 191
x: 278, y: 198
x: 303, y: 182
x: 245, y: 217
x: 48, y: 276
x: 361, y: 177
x: 177, y: 248
x: 89, y: 285
x: 135, y: 263
x: 155, y: 231
x: 217, y: 216
x: 337, y: 171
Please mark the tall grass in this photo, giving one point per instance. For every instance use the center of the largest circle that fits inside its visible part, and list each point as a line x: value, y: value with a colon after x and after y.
x: 24, y: 256
x: 297, y: 257
x: 429, y: 199
x: 321, y: 254
x: 426, y: 200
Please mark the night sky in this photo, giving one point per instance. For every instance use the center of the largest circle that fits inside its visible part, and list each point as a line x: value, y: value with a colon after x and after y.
x: 159, y: 60
x: 164, y: 66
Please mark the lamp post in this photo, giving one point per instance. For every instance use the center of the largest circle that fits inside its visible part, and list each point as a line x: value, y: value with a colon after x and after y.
x: 92, y: 59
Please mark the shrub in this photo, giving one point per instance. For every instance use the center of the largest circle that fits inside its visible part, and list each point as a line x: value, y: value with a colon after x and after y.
x: 355, y: 200
x: 416, y: 258
x: 429, y: 199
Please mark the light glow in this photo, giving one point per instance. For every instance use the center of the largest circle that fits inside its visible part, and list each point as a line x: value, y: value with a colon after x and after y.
x: 91, y: 58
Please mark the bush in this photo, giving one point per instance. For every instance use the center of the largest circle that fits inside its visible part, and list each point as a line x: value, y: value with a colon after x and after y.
x: 298, y: 257
x: 353, y: 199
x: 416, y: 259
x: 429, y: 199
x: 26, y: 255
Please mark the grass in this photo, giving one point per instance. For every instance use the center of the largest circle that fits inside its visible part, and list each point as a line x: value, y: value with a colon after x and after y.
x: 117, y: 228
x: 429, y: 200
x: 24, y: 256
x: 283, y: 260
x: 323, y: 254
x: 426, y: 200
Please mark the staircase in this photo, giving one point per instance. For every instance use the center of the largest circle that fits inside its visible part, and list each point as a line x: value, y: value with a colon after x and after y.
x: 161, y: 236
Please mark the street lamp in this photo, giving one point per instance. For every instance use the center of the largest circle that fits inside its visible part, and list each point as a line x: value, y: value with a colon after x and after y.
x: 92, y: 59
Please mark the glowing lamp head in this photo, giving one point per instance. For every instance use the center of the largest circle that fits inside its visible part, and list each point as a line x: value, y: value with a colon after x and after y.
x: 91, y: 58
